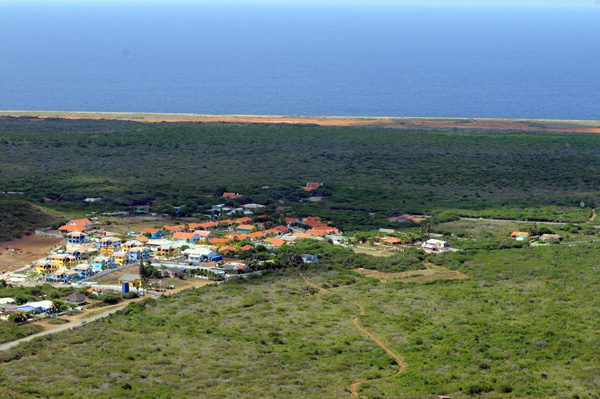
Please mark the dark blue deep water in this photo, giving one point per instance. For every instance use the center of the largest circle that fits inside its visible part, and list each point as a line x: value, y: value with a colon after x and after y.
x: 301, y: 60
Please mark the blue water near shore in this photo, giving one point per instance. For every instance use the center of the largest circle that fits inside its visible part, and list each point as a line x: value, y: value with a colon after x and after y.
x: 301, y: 60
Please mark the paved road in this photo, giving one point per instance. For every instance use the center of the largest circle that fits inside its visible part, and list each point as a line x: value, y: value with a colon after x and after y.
x: 513, y: 221
x: 65, y: 327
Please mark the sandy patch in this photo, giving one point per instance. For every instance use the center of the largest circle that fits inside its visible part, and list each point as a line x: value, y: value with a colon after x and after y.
x: 392, y: 122
x: 27, y: 249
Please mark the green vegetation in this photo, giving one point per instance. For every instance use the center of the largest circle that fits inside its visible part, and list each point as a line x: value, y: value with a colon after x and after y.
x: 11, y: 331
x: 30, y: 294
x: 522, y: 325
x: 368, y: 173
x: 57, y: 321
x: 18, y: 218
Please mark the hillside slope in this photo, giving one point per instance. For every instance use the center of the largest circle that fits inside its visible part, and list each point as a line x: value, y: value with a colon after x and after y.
x: 20, y: 217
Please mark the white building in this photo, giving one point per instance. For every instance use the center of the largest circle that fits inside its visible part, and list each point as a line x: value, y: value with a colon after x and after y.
x: 434, y: 245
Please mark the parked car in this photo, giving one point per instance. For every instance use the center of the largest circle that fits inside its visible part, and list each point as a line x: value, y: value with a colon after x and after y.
x: 170, y: 287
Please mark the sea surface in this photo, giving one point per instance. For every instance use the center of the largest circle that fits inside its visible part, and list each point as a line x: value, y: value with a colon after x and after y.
x: 299, y: 59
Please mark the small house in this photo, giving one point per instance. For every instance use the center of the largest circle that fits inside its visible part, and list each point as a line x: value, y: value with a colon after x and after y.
x: 309, y: 258
x: 75, y: 299
x: 275, y: 242
x: 45, y: 266
x: 186, y: 237
x: 120, y: 258
x: 202, y: 255
x: 76, y: 238
x: 166, y: 250
x: 312, y: 186
x: 550, y: 237
x: 433, y: 245
x: 245, y: 228
x: 108, y: 245
x: 102, y: 262
x: 63, y: 260
x: 152, y: 233
x: 139, y: 253
x: 83, y: 270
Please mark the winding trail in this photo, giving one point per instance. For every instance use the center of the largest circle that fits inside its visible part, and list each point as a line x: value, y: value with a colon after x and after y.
x: 354, y: 387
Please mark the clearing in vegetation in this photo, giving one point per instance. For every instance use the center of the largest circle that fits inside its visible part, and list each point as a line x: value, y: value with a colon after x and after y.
x: 431, y: 273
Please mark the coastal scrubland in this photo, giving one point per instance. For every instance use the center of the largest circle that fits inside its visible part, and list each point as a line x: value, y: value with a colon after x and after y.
x: 522, y: 324
x: 18, y: 218
x: 368, y: 173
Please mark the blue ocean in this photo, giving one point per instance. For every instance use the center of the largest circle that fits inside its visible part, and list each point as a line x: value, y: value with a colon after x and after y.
x: 301, y: 59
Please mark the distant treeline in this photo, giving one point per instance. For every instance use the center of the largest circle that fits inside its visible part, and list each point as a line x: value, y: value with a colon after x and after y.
x: 367, y: 173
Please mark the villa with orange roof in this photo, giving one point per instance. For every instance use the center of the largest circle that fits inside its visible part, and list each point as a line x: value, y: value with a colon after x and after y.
x: 245, y: 228
x: 256, y: 235
x: 312, y: 186
x: 275, y: 242
x: 189, y: 237
x: 153, y: 233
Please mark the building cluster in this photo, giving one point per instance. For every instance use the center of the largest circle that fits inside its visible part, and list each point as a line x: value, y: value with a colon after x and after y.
x: 210, y: 246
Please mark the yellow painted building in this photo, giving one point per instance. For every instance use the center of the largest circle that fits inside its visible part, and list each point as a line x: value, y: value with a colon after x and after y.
x: 45, y: 267
x: 62, y: 261
x: 120, y: 258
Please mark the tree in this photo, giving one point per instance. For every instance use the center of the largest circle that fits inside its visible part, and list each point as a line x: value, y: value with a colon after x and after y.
x: 17, y: 318
x: 58, y: 306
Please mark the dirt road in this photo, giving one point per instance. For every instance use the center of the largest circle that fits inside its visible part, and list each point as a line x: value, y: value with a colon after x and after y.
x: 354, y: 387
x: 89, y: 315
x: 63, y: 327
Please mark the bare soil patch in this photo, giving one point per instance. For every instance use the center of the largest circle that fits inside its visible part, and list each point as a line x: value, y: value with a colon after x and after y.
x: 433, y: 272
x: 26, y: 250
x: 392, y: 122
x: 381, y: 251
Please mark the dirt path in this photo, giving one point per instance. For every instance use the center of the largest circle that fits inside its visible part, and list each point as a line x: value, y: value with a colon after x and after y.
x: 89, y: 315
x: 593, y: 215
x: 354, y: 387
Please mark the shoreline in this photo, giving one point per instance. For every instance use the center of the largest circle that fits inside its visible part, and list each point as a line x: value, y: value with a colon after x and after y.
x: 417, y: 123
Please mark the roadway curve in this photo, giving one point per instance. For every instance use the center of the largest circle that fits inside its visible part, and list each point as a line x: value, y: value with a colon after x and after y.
x: 354, y: 387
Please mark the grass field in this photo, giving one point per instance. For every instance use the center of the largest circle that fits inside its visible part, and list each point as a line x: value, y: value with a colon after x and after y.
x: 523, y: 324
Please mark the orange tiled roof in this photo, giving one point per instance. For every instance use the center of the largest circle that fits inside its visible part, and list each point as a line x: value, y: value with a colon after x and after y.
x: 71, y: 228
x: 187, y: 236
x: 174, y: 228
x: 81, y: 222
x: 275, y: 241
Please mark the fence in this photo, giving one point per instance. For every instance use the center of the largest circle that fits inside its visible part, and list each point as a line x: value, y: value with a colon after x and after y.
x: 44, y: 233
